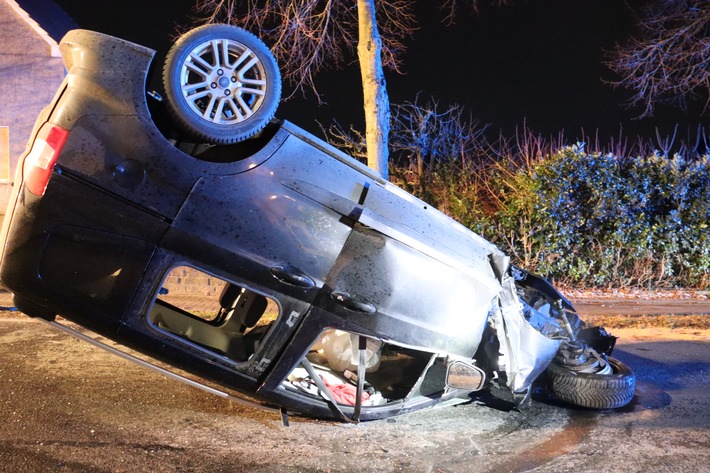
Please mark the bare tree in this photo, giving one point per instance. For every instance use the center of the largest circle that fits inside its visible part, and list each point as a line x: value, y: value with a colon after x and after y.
x: 421, y: 134
x: 425, y: 134
x: 307, y: 36
x: 375, y: 100
x: 670, y: 58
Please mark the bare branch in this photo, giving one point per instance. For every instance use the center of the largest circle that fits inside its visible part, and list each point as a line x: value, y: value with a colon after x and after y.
x: 350, y: 141
x: 451, y: 8
x: 670, y: 59
x: 424, y: 134
x: 308, y: 36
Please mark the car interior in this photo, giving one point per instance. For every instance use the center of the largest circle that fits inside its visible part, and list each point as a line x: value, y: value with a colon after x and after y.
x: 231, y: 322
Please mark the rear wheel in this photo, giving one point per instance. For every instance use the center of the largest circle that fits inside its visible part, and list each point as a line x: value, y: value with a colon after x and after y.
x: 222, y: 84
x: 594, y: 390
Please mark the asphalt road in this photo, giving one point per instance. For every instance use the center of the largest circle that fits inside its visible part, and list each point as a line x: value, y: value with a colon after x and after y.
x: 68, y: 406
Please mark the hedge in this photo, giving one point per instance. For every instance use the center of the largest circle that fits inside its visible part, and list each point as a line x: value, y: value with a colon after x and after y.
x: 584, y: 219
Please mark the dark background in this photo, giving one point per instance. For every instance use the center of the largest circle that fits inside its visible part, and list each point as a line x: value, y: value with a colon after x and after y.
x: 537, y: 62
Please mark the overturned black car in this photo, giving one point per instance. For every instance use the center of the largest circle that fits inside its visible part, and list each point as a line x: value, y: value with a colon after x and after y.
x: 333, y: 293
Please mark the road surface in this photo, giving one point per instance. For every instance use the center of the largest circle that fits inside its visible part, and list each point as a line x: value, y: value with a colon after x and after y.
x: 68, y: 406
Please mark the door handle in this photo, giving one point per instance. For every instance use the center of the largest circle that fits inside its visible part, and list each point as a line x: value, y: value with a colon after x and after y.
x: 352, y: 303
x: 290, y: 275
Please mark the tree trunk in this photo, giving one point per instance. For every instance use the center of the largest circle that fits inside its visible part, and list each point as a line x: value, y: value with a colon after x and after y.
x: 374, y: 87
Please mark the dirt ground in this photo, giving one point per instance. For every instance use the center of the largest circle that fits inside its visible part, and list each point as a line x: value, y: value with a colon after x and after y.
x: 69, y: 406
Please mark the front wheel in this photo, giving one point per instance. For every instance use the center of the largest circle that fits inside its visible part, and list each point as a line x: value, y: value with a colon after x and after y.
x: 222, y: 84
x: 592, y: 390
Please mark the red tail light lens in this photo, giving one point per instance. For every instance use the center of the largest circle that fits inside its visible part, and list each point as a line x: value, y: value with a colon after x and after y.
x: 44, y: 154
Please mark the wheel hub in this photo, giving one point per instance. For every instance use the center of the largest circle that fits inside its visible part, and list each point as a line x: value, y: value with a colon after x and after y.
x: 223, y: 82
x: 581, y: 358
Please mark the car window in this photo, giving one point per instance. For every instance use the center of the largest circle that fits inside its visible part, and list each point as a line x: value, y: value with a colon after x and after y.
x: 214, y: 314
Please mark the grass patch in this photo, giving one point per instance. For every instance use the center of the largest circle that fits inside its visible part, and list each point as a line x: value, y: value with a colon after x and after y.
x: 669, y: 321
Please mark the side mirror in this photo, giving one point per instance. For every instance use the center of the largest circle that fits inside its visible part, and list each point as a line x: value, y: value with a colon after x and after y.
x: 460, y: 375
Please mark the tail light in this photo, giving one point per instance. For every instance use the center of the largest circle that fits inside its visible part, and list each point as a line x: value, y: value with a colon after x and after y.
x: 40, y: 161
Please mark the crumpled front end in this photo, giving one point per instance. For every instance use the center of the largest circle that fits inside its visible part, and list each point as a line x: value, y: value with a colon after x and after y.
x: 524, y: 352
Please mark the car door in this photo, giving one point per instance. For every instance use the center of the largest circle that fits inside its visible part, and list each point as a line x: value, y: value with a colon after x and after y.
x: 266, y: 229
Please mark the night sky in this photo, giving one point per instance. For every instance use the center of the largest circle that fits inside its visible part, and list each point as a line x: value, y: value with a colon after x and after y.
x: 538, y: 62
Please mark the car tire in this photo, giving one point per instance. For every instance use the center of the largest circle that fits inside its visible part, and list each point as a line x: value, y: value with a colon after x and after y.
x: 222, y: 84
x: 595, y: 391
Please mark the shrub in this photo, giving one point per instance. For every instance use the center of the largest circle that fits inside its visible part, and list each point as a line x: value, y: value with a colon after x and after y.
x: 625, y: 221
x: 588, y: 219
